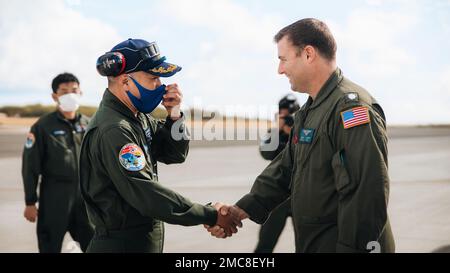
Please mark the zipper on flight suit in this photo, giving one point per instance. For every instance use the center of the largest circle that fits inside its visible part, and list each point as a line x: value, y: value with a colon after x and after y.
x: 146, y: 123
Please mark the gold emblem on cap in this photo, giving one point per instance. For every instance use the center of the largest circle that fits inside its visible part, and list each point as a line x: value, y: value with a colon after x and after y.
x: 161, y: 69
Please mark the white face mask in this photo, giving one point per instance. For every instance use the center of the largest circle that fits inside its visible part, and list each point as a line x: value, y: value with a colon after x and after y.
x: 69, y: 102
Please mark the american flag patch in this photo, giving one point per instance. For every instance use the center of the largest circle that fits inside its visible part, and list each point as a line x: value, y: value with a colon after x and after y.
x: 355, y: 116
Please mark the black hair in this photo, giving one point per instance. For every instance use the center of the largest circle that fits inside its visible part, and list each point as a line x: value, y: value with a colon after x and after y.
x: 63, y: 78
x: 290, y: 103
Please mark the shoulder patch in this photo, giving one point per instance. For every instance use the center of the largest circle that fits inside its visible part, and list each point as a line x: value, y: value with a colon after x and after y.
x: 355, y: 116
x: 30, y: 140
x: 132, y: 158
x: 351, y: 97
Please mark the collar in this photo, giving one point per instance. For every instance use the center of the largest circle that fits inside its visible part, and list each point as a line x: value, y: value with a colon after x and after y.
x: 335, y: 78
x: 111, y: 101
x: 60, y: 116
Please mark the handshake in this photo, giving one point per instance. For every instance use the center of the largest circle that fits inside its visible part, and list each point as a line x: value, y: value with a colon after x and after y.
x: 228, y: 219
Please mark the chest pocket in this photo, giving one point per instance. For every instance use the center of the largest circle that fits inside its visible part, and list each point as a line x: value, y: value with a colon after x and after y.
x: 60, y: 139
x: 60, y: 161
x: 306, y: 148
x: 341, y: 177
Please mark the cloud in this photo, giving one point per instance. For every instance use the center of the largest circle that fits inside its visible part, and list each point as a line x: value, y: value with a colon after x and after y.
x: 46, y: 39
x: 396, y: 49
x: 380, y: 48
x: 238, y: 27
x: 437, y: 98
x: 236, y: 58
x: 370, y: 41
x: 425, y: 103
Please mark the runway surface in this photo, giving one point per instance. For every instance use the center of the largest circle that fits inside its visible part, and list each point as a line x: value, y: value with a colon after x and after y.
x: 419, y: 205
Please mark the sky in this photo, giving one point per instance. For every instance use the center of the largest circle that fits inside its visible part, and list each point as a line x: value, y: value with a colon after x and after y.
x: 396, y: 49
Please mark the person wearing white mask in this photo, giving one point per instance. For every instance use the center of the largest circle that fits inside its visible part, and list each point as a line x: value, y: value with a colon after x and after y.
x: 50, y: 161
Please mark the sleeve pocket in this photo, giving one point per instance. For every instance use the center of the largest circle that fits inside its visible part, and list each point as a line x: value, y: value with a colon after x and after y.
x: 341, y: 177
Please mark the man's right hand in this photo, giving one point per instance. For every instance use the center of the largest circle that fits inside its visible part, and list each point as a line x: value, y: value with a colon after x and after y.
x: 229, y: 218
x: 31, y: 213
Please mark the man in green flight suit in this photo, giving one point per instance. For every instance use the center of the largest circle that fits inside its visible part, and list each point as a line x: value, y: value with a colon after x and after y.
x: 118, y: 170
x: 50, y: 156
x: 335, y: 166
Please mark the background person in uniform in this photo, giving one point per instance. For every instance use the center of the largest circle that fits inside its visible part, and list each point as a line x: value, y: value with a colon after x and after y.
x: 50, y: 156
x: 287, y: 106
x: 118, y: 174
x: 271, y: 230
x: 335, y: 167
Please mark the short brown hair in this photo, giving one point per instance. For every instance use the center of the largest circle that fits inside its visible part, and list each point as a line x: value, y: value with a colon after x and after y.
x: 313, y: 32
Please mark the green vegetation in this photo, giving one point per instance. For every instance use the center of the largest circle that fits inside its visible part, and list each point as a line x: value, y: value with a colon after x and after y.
x: 37, y: 110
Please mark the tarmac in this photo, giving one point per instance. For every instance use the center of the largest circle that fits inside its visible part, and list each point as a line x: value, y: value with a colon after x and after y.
x: 419, y: 205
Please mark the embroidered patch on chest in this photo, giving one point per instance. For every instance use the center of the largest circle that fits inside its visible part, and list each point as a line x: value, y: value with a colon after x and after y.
x: 79, y: 128
x: 306, y: 135
x: 148, y: 135
x: 59, y: 133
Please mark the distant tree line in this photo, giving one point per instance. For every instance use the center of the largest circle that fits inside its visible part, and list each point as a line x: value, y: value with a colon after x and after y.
x: 37, y: 110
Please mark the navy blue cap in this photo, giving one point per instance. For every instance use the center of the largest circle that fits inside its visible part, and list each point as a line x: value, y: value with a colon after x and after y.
x: 141, y: 55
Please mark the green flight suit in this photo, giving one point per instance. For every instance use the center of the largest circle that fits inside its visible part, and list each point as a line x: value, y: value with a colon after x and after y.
x: 337, y: 178
x: 271, y: 230
x: 119, y: 180
x: 50, y: 154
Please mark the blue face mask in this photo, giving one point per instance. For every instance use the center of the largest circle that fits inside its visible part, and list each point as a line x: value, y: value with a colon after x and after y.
x: 149, y: 100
